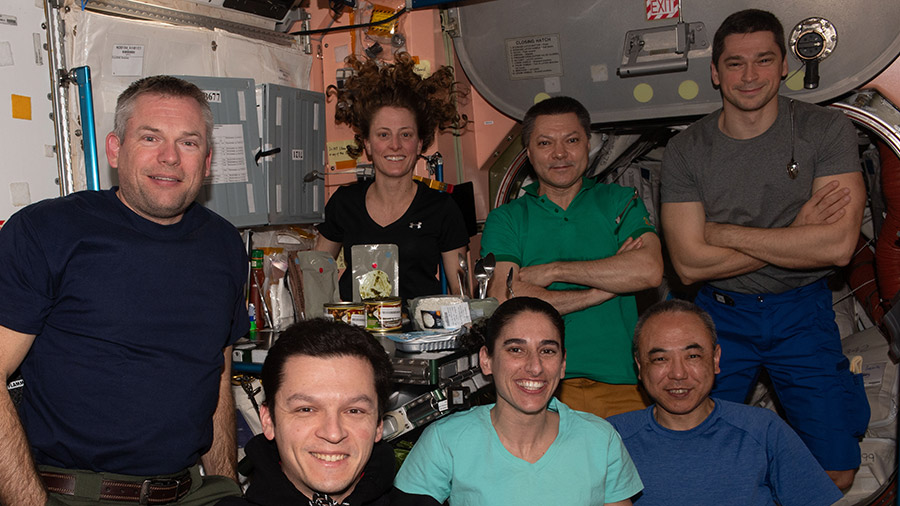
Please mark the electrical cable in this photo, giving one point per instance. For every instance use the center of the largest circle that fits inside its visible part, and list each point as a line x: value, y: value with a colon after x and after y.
x: 351, y: 27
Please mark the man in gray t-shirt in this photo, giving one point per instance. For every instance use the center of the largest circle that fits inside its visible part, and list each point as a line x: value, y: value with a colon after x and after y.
x: 760, y: 200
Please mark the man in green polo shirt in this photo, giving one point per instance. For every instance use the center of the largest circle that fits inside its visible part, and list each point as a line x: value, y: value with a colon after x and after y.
x: 582, y: 246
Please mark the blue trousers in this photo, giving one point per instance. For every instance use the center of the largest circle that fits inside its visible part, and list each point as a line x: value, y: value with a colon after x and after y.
x: 794, y: 337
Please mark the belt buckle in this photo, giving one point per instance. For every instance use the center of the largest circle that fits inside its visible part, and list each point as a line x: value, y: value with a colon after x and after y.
x: 161, y: 482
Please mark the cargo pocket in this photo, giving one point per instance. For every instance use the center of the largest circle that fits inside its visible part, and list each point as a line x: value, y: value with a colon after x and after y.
x: 856, y: 404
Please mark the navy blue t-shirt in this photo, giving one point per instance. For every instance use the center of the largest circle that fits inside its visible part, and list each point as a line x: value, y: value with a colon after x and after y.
x: 130, y: 319
x: 740, y: 455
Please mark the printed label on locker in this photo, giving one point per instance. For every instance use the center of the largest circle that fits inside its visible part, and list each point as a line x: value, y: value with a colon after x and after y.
x: 213, y: 96
x: 296, y: 154
x: 229, y: 162
x: 127, y: 59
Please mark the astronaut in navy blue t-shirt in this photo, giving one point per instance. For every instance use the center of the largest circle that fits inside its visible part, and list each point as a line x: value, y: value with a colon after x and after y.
x: 120, y: 309
x: 692, y: 449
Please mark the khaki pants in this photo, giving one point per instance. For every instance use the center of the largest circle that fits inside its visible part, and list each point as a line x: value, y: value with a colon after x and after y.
x: 601, y: 399
x: 205, y: 490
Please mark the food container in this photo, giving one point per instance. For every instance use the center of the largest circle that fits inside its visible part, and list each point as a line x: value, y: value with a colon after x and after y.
x: 425, y: 311
x: 383, y: 315
x: 353, y: 313
x: 425, y: 340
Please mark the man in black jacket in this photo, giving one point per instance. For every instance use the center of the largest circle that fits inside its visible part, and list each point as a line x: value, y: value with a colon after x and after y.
x: 327, y: 386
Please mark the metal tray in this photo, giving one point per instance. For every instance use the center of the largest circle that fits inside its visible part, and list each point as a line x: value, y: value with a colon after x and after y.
x: 424, y: 340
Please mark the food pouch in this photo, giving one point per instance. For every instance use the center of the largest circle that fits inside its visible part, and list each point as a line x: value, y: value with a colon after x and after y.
x: 313, y: 280
x: 376, y: 271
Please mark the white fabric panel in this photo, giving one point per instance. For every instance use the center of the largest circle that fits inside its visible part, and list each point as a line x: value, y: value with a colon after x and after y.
x: 238, y: 56
x: 91, y: 39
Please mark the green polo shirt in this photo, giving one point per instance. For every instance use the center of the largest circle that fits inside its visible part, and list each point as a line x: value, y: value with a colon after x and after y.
x: 532, y: 230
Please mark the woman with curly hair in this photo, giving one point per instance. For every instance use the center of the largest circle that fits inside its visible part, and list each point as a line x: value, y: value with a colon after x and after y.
x: 394, y: 114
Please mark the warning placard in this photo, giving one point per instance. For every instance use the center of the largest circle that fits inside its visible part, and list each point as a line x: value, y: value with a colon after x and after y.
x: 662, y: 9
x: 533, y: 57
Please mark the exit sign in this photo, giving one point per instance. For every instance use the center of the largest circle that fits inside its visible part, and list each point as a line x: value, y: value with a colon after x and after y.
x: 662, y: 9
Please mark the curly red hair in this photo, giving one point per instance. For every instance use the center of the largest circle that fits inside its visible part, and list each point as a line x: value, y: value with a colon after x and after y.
x: 374, y: 85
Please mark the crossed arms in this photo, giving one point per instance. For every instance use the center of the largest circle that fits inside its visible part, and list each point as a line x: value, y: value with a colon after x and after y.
x: 637, y: 265
x: 824, y: 233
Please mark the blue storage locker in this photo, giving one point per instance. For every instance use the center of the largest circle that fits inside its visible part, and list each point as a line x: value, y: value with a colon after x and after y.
x: 236, y: 194
x: 293, y: 121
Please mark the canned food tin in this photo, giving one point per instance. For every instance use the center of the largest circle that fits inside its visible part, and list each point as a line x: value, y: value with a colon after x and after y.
x: 383, y: 315
x: 353, y: 313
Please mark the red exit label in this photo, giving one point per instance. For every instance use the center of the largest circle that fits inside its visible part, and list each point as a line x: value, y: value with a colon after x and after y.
x: 662, y: 9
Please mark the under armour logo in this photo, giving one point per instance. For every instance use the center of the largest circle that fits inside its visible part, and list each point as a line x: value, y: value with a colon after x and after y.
x: 416, y: 225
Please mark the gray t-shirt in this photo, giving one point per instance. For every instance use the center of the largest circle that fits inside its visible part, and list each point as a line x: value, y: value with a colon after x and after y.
x: 745, y: 182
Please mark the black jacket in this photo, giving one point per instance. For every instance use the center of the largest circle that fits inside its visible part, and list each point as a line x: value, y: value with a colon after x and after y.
x: 270, y: 487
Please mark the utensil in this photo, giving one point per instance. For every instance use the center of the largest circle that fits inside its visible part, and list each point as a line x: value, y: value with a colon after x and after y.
x: 481, y: 276
x: 509, y: 290
x: 489, y: 265
x: 464, y: 268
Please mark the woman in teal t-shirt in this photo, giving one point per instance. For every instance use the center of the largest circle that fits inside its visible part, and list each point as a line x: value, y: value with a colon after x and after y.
x: 528, y: 448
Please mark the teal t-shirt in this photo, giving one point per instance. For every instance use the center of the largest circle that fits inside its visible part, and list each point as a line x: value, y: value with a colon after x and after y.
x: 532, y: 230
x: 461, y: 458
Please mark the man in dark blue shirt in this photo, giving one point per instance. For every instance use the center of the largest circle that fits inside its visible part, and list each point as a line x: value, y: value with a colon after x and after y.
x: 693, y: 449
x: 121, y: 307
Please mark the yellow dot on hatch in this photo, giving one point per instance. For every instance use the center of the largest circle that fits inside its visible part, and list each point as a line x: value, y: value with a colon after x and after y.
x: 643, y: 93
x: 688, y: 89
x: 795, y: 82
x: 540, y: 97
